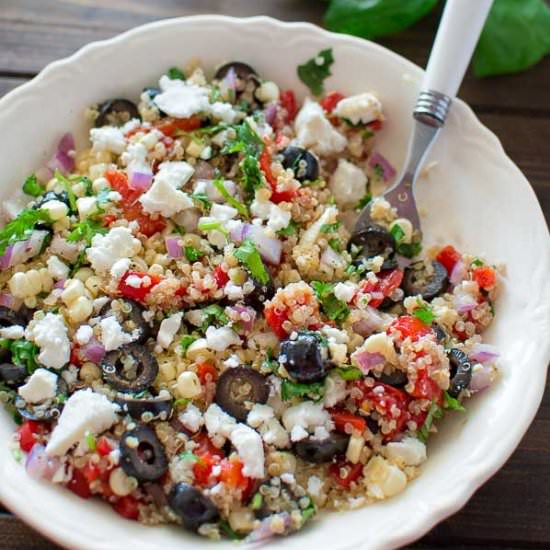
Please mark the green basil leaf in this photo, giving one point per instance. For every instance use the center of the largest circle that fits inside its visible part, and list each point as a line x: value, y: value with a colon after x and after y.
x: 249, y: 256
x: 295, y: 389
x: 334, y: 309
x: 452, y: 403
x: 175, y: 74
x: 21, y: 228
x: 314, y: 71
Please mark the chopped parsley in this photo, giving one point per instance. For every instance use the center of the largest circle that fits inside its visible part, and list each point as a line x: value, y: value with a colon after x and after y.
x: 364, y: 201
x: 334, y: 309
x: 290, y: 229
x: 424, y: 312
x: 68, y: 188
x: 213, y: 226
x: 193, y: 254
x: 409, y: 250
x: 202, y: 199
x: 397, y: 232
x: 213, y: 315
x: 330, y: 227
x: 348, y: 373
x: 477, y: 262
x: 315, y: 70
x: 85, y: 231
x: 226, y: 529
x: 247, y: 141
x: 295, y: 389
x: 335, y: 244
x: 188, y: 455
x: 174, y: 73
x: 88, y: 186
x: 309, y: 511
x: 435, y: 412
x: 378, y: 171
x: 186, y: 341
x: 257, y: 501
x: 21, y: 228
x: 249, y: 256
x: 32, y: 187
x: 23, y: 353
x: 270, y: 363
x: 452, y: 403
x: 229, y: 199
x: 252, y: 177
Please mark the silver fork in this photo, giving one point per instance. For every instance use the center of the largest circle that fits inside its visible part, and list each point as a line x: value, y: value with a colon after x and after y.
x: 454, y: 44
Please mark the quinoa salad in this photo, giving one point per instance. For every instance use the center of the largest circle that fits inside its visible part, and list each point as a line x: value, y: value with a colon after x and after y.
x: 190, y: 333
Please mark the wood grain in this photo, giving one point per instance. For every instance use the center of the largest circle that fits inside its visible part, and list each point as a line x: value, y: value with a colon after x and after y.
x: 512, y: 509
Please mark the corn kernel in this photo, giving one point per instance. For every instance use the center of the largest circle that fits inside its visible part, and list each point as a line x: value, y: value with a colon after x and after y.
x: 355, y: 446
x: 34, y: 281
x: 46, y: 280
x: 83, y: 274
x: 167, y: 371
x: 57, y: 210
x: 60, y: 225
x: 73, y: 289
x: 188, y: 385
x: 80, y: 309
x: 268, y: 91
x: 19, y: 286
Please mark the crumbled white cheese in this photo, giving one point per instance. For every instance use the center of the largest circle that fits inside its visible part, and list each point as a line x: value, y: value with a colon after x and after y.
x: 219, y: 339
x: 314, y: 130
x: 274, y: 434
x: 223, y: 212
x: 112, y: 335
x: 191, y: 418
x: 107, y: 249
x: 57, y: 269
x: 250, y: 448
x: 120, y: 267
x: 195, y: 317
x: 181, y: 99
x: 50, y: 335
x: 12, y: 333
x: 223, y: 111
x: 345, y: 291
x: 84, y: 334
x: 359, y: 109
x: 298, y: 433
x: 86, y: 206
x: 379, y: 343
x: 259, y: 414
x: 40, y: 386
x: 85, y: 411
x: 233, y: 292
x: 313, y: 231
x: 108, y: 138
x: 168, y: 329
x: 408, y: 452
x: 219, y: 424
x: 383, y: 479
x: 276, y: 217
x: 335, y: 390
x: 336, y: 335
x: 207, y: 187
x: 348, y: 184
x: 164, y: 196
x: 314, y: 486
x: 307, y: 415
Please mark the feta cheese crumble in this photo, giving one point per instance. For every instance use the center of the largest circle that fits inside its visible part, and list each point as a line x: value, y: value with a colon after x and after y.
x: 50, y: 335
x: 107, y: 249
x: 359, y: 109
x: 112, y: 335
x: 168, y: 329
x: 41, y: 385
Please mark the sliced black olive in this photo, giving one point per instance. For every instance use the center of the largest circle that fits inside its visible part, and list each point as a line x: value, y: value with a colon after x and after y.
x: 397, y: 379
x: 12, y: 375
x: 325, y: 450
x: 142, y: 454
x: 461, y: 372
x: 373, y: 241
x: 440, y: 334
x: 152, y: 92
x: 372, y: 425
x: 191, y: 506
x: 154, y: 408
x: 417, y: 280
x: 130, y: 315
x: 260, y: 294
x: 242, y: 70
x: 303, y: 163
x: 53, y: 196
x: 131, y: 368
x: 303, y: 359
x: 116, y: 112
x: 238, y: 387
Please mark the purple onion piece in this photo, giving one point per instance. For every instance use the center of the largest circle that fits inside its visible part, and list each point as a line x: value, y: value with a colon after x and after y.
x: 484, y: 353
x: 39, y: 465
x: 173, y: 246
x: 366, y: 360
x: 140, y: 180
x: 93, y: 351
x: 388, y: 171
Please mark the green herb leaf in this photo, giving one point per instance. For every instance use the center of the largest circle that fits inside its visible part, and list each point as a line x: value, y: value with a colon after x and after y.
x: 203, y: 199
x: 226, y: 529
x: 90, y: 441
x: 213, y: 226
x: 309, y: 511
x: 295, y: 389
x: 452, y: 403
x: 397, y: 232
x: 68, y: 188
x: 335, y: 244
x: 330, y: 227
x: 477, y: 262
x: 515, y: 37
x: 252, y: 177
x: 409, y: 250
x: 229, y: 199
x: 32, y: 187
x: 188, y: 455
x: 372, y: 18
x: 21, y: 228
x: 435, y: 412
x: 88, y: 185
x: 85, y: 231
x: 174, y: 73
x: 314, y: 71
x: 186, y: 341
x: 257, y: 501
x: 213, y: 314
x: 247, y: 141
x: 334, y: 309
x: 249, y: 256
x: 181, y: 402
x: 193, y: 254
x: 290, y: 229
x: 364, y: 201
x: 424, y: 313
x: 348, y: 373
x: 24, y: 353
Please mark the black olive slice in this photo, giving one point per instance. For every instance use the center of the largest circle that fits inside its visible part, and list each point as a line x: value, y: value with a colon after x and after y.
x: 303, y: 163
x: 116, y: 112
x: 53, y: 196
x: 397, y: 379
x: 440, y: 334
x: 260, y: 293
x: 417, y: 280
x: 12, y: 375
x: 242, y: 70
x: 142, y: 454
x: 191, y: 506
x: 155, y: 408
x: 325, y: 450
x: 239, y: 386
x: 373, y: 241
x: 303, y: 359
x: 130, y: 315
x: 131, y: 368
x: 152, y: 92
x: 461, y: 372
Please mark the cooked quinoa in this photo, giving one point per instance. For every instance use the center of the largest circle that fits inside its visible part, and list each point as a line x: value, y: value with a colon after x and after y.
x: 189, y: 332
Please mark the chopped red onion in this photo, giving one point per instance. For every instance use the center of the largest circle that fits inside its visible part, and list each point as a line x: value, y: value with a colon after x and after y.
x: 270, y: 113
x: 5, y: 259
x: 7, y: 300
x: 270, y: 249
x: 403, y: 262
x: 481, y: 378
x: 140, y: 180
x: 265, y: 529
x: 366, y: 360
x: 237, y: 233
x: 60, y: 283
x: 204, y: 171
x: 458, y: 272
x: 21, y: 251
x: 173, y: 246
x: 331, y: 258
x: 484, y: 353
x: 93, y: 351
x: 388, y: 171
x: 373, y: 323
x: 61, y: 247
x: 464, y: 303
x: 229, y: 81
x: 249, y: 313
x: 39, y: 465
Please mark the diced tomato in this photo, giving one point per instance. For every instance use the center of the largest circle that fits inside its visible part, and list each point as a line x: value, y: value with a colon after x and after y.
x: 202, y: 469
x: 119, y: 182
x: 127, y: 507
x: 353, y: 472
x: 232, y: 474
x: 484, y: 276
x: 388, y: 281
x: 207, y: 372
x: 220, y: 276
x: 265, y: 166
x: 329, y: 102
x: 103, y: 447
x: 205, y: 446
x: 287, y: 100
x: 27, y: 434
x: 375, y: 125
x: 343, y: 418
x: 138, y: 293
x: 448, y: 256
x: 91, y: 471
x: 426, y: 388
x: 75, y: 355
x: 275, y: 320
x: 169, y: 126
x: 409, y: 327
x: 79, y: 485
x: 109, y: 219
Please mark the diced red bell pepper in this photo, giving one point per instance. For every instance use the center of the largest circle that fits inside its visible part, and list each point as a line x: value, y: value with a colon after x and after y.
x: 353, y: 472
x: 138, y: 293
x: 79, y: 485
x: 388, y: 281
x: 265, y: 166
x: 275, y: 320
x: 207, y: 373
x: 342, y: 418
x: 426, y: 388
x: 484, y: 276
x: 127, y: 507
x: 232, y: 475
x: 169, y: 126
x: 329, y: 102
x: 91, y: 471
x: 205, y: 446
x: 287, y: 99
x: 28, y: 431
x: 202, y: 469
x: 448, y: 256
x: 409, y: 327
x: 109, y: 219
x: 375, y: 125
x: 221, y: 277
x: 103, y: 447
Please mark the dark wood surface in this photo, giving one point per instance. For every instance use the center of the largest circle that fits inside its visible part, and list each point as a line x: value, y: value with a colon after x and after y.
x: 512, y: 510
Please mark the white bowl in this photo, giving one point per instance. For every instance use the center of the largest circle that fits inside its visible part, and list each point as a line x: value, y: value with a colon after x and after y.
x: 475, y: 198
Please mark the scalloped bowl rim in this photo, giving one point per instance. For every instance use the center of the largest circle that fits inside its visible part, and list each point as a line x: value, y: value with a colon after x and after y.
x: 424, y: 517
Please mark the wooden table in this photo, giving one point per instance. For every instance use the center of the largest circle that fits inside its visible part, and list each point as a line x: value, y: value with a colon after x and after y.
x: 512, y: 509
